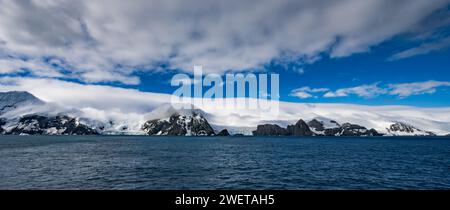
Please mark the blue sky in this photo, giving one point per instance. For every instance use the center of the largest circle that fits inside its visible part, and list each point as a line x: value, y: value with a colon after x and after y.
x: 374, y: 67
x: 367, y: 68
x: 376, y: 52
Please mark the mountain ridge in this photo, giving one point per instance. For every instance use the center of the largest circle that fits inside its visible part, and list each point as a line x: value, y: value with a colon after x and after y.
x: 190, y: 121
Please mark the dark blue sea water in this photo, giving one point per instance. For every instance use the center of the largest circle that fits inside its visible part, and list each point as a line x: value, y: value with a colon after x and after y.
x: 138, y: 162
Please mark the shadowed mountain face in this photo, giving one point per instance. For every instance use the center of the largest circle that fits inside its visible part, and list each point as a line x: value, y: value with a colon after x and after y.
x: 270, y: 130
x: 223, y: 132
x: 299, y: 129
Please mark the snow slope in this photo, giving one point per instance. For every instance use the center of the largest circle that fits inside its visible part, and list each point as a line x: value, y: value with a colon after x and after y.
x: 14, y: 99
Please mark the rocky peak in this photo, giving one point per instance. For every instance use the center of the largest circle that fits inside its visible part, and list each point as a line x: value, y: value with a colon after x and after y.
x: 223, y: 132
x: 299, y: 129
x: 179, y: 125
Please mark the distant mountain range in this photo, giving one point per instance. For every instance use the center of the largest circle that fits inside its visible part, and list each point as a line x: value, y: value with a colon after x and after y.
x: 21, y: 113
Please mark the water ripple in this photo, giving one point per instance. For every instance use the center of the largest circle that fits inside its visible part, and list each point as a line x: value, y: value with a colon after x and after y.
x: 133, y: 162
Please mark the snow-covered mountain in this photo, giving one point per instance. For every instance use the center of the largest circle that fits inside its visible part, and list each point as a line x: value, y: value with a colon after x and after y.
x: 46, y: 125
x: 403, y: 129
x: 21, y: 112
x: 15, y: 99
x: 179, y: 125
x: 24, y: 114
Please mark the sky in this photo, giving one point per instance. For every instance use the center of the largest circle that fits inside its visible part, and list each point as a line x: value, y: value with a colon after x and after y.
x: 371, y: 52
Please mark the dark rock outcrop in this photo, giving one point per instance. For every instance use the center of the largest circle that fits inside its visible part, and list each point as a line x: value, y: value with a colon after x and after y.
x: 401, y: 128
x: 269, y: 130
x: 56, y: 125
x: 223, y: 132
x: 177, y: 125
x: 348, y: 129
x: 318, y: 126
x: 333, y: 131
x: 374, y: 132
x: 299, y: 129
x: 315, y: 128
x: 319, y: 129
x: 2, y: 123
x: 155, y: 127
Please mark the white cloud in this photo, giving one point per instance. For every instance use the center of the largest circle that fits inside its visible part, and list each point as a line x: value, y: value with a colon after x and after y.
x: 401, y: 90
x: 299, y: 70
x: 100, y: 76
x: 101, y: 97
x: 416, y: 88
x: 365, y: 91
x: 110, y: 40
x: 422, y: 49
x: 302, y: 95
x: 37, y: 68
x: 306, y: 92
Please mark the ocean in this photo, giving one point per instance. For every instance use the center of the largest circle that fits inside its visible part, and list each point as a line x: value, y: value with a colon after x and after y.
x: 143, y: 162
